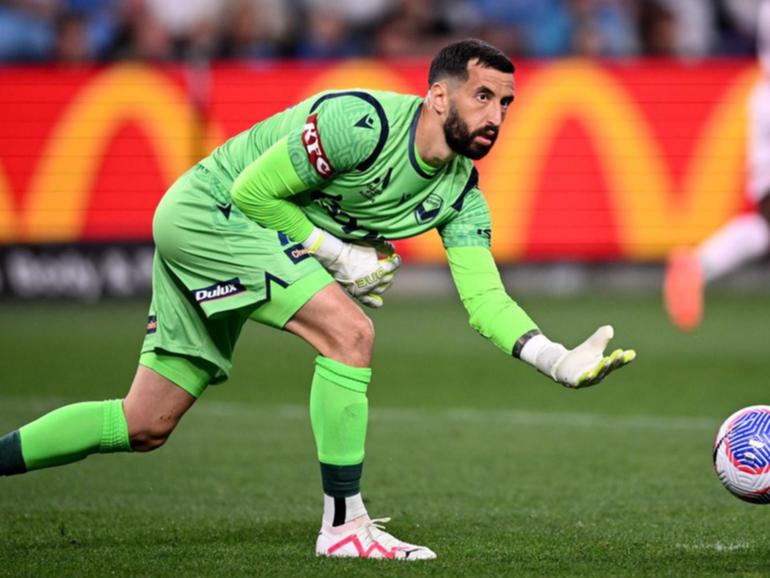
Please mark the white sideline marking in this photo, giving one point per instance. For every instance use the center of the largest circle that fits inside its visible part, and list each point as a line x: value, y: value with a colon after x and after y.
x: 716, y: 546
x: 476, y: 415
x: 10, y: 404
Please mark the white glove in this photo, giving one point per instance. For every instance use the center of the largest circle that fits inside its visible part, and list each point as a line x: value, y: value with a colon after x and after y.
x: 582, y: 366
x: 364, y: 270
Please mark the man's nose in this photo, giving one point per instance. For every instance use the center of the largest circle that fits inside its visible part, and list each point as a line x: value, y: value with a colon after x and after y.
x: 495, y: 117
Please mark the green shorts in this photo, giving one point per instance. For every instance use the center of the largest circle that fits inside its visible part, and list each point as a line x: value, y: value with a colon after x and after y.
x: 213, y: 270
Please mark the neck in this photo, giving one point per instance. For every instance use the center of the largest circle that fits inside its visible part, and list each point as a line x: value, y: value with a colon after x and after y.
x: 429, y: 138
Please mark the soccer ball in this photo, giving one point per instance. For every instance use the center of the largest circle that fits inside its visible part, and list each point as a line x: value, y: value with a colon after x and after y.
x: 742, y: 454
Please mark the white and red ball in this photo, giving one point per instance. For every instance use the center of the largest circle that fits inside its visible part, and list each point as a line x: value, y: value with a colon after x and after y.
x: 742, y: 454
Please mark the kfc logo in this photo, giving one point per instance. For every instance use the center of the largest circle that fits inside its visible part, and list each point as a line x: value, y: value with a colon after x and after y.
x: 315, y: 151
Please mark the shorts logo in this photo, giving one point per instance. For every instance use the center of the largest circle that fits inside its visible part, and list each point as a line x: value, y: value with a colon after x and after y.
x: 219, y: 290
x: 315, y: 151
x: 152, y: 324
x: 296, y: 253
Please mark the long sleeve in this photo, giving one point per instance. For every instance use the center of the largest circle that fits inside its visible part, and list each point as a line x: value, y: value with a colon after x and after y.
x: 262, y: 188
x: 330, y: 142
x: 491, y: 311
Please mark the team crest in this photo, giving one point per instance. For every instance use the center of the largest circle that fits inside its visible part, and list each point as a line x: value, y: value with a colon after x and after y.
x: 428, y: 209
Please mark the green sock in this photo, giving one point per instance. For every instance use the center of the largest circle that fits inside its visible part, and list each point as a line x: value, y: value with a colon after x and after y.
x: 68, y: 434
x: 339, y: 413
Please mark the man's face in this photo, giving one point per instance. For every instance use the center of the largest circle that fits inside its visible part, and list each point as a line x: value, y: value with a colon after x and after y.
x: 477, y: 109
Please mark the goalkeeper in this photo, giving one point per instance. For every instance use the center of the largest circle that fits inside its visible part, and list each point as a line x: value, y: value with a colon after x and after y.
x: 286, y: 224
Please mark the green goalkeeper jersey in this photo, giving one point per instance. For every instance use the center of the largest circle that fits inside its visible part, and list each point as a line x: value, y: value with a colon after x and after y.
x: 347, y: 162
x: 354, y: 151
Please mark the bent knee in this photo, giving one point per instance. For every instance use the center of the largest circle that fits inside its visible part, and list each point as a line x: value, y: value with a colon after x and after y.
x: 147, y: 441
x: 355, y: 340
x: 148, y: 437
x: 361, y: 333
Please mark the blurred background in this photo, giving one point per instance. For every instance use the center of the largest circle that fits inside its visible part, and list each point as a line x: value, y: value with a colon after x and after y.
x: 627, y: 137
x: 78, y: 31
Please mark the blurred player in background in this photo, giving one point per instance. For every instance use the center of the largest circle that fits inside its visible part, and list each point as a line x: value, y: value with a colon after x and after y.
x: 745, y: 237
x: 263, y: 227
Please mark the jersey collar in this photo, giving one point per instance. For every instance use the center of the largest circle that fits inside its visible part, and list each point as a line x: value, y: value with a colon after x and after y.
x: 420, y: 166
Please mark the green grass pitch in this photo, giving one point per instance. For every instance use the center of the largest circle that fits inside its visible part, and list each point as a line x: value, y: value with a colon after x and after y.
x: 496, y: 468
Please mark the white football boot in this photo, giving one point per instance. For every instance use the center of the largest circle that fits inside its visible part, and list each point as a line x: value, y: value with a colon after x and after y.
x: 366, y: 538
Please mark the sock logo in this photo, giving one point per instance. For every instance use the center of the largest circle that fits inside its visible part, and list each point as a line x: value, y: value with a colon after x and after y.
x: 314, y: 149
x: 219, y: 290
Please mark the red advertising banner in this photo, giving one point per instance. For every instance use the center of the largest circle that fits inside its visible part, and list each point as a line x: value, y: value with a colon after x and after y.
x: 595, y: 162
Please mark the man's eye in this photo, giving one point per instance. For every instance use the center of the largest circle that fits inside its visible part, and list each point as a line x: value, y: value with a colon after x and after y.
x: 483, y: 97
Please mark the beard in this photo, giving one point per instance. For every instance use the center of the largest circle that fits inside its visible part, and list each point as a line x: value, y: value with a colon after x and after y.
x: 462, y: 141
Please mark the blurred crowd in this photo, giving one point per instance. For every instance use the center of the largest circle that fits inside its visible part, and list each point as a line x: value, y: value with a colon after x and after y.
x: 74, y: 31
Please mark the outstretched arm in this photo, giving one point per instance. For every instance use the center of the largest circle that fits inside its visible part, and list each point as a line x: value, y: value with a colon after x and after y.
x: 501, y: 320
x: 491, y: 311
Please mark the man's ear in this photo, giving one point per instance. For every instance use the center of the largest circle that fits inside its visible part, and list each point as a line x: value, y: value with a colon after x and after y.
x: 438, y: 97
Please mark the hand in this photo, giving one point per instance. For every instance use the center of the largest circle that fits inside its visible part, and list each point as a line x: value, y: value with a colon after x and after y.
x: 365, y: 270
x: 587, y: 365
x: 583, y: 366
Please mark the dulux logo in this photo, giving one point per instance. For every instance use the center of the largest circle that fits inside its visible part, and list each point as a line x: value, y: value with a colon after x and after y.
x: 219, y: 290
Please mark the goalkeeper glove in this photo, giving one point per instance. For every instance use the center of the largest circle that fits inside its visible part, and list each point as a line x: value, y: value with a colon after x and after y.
x: 365, y: 271
x: 582, y: 366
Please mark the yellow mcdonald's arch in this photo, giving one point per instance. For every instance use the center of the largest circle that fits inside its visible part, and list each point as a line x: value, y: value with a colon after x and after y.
x: 359, y: 74
x: 651, y: 218
x: 59, y: 192
x: 7, y: 220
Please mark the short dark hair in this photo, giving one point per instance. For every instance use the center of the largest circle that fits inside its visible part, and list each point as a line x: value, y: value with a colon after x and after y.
x: 452, y: 60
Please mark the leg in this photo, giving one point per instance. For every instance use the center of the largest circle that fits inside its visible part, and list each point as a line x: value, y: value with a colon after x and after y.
x: 332, y: 323
x: 141, y: 422
x: 337, y: 327
x: 741, y: 240
x: 153, y: 407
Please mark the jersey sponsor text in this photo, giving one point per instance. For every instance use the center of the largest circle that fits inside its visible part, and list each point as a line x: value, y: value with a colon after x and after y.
x: 314, y: 149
